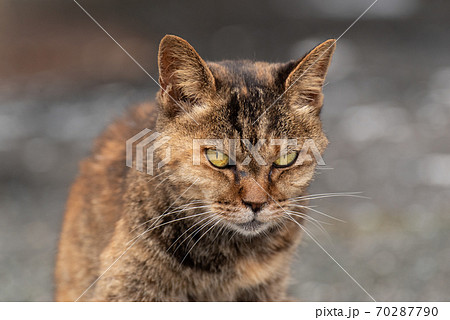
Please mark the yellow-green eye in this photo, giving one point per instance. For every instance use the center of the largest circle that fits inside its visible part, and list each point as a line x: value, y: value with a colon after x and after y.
x: 218, y: 159
x: 286, y: 160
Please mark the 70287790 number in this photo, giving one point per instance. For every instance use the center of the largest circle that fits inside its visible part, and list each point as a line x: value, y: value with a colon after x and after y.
x: 407, y: 311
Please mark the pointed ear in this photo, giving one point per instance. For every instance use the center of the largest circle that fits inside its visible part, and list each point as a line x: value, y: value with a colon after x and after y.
x: 182, y: 72
x: 304, y: 83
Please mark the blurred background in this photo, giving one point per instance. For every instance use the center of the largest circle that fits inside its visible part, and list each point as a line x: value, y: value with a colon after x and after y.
x: 387, y: 114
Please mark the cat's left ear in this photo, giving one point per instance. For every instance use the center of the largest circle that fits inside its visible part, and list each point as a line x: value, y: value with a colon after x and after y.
x: 183, y: 74
x: 304, y: 83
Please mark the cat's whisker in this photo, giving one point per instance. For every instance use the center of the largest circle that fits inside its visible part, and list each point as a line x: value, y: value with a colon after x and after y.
x: 345, y: 193
x: 283, y: 223
x: 219, y: 232
x: 329, y: 195
x: 264, y: 233
x: 191, y: 236
x: 317, y: 211
x: 181, y: 207
x: 151, y: 228
x: 324, y: 197
x: 165, y: 213
x: 166, y: 223
x: 306, y: 206
x: 332, y: 258
x: 218, y: 221
x: 194, y: 232
x: 232, y: 236
x: 225, y: 230
x: 303, y: 227
x: 186, y: 204
x: 164, y: 172
x: 307, y: 217
x: 183, y: 210
x: 175, y: 210
x: 198, y: 222
x: 278, y: 223
x: 316, y: 223
x: 162, y: 181
x: 177, y: 199
x: 309, y: 230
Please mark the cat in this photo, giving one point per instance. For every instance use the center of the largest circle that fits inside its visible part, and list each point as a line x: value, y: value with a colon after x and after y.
x: 224, y: 229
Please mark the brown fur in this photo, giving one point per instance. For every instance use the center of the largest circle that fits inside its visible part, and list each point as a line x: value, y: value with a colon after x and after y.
x: 111, y: 204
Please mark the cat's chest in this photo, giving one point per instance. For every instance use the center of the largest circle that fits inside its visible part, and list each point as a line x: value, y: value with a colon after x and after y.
x: 252, y: 272
x: 245, y: 275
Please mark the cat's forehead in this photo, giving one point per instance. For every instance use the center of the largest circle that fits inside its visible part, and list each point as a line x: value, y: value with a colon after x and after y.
x: 244, y: 74
x: 252, y: 89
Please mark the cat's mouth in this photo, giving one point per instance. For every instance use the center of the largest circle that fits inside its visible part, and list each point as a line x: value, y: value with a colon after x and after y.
x: 245, y: 221
x: 252, y: 226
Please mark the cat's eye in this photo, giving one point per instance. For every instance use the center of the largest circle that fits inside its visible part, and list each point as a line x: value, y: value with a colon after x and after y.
x: 286, y: 160
x: 217, y: 158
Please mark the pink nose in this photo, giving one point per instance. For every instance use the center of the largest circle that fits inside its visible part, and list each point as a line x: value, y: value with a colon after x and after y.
x: 253, y: 195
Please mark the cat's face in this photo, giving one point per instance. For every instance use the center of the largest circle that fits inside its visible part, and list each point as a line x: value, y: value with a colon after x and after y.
x: 238, y: 135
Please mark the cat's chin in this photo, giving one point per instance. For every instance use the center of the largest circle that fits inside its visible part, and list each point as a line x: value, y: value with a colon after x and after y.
x: 251, y: 228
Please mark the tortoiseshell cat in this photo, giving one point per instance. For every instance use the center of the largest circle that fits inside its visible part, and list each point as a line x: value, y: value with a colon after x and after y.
x: 223, y: 229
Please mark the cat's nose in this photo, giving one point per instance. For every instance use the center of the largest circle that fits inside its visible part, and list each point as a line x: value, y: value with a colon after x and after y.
x: 254, y: 206
x: 253, y: 195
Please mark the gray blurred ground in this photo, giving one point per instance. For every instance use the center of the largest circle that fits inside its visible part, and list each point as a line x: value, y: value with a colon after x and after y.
x: 387, y: 114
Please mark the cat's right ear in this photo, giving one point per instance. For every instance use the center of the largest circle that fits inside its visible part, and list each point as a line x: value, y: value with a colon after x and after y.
x: 183, y: 74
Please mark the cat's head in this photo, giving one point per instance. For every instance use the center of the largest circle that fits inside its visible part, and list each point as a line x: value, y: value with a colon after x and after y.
x: 238, y: 130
